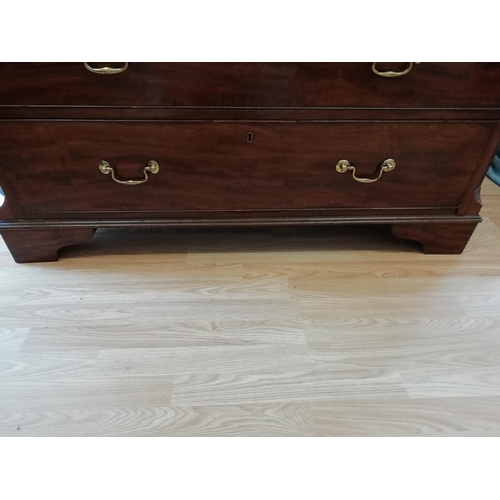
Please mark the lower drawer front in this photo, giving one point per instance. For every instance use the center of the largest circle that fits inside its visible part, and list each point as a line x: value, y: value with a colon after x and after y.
x: 54, y: 166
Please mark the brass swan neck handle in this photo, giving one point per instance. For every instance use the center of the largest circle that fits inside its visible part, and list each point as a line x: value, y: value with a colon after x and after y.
x: 344, y: 165
x: 152, y: 167
x: 392, y: 74
x: 106, y: 70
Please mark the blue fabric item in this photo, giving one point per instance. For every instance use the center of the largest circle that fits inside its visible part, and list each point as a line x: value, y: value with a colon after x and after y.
x: 494, y: 170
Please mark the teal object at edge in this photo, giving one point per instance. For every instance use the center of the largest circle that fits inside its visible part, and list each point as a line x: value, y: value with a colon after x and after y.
x: 494, y: 171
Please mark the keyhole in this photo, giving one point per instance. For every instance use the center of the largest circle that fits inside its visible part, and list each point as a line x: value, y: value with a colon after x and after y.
x: 249, y: 137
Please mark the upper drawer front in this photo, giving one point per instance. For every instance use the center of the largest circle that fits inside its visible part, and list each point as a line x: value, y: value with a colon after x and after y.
x: 427, y: 85
x: 54, y: 166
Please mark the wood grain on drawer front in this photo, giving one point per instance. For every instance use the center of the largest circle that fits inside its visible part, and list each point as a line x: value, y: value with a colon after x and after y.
x: 53, y: 166
x: 428, y: 85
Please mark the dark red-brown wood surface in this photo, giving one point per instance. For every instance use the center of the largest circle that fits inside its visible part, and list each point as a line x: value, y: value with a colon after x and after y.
x: 437, y: 238
x: 53, y: 166
x: 42, y: 245
x: 427, y: 85
x: 440, y: 123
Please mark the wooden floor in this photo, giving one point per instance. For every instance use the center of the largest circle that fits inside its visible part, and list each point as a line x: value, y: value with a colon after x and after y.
x: 317, y: 331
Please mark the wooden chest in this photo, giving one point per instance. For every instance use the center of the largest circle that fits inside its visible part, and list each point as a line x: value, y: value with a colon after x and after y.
x: 91, y: 145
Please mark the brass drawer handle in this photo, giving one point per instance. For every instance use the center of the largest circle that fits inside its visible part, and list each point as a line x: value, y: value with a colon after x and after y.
x: 106, y: 70
x: 344, y: 165
x: 392, y: 74
x: 152, y: 167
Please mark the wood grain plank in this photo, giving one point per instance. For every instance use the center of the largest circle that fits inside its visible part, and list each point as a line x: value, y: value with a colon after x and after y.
x: 392, y: 297
x: 368, y: 270
x: 23, y: 367
x: 157, y: 293
x: 161, y: 334
x: 467, y: 355
x: 54, y: 314
x: 477, y: 416
x: 389, y: 289
x: 83, y: 393
x: 394, y: 328
x: 480, y: 296
x: 12, y: 340
x: 95, y: 271
x: 277, y: 419
x: 221, y: 310
x: 169, y: 362
x: 466, y: 342
x: 437, y: 382
x: 198, y: 389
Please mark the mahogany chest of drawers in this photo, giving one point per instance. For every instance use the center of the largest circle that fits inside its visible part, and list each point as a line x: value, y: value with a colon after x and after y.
x: 98, y: 145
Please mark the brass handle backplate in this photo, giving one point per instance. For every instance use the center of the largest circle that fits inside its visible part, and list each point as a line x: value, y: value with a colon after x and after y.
x: 392, y: 74
x: 106, y: 70
x: 152, y: 167
x: 344, y: 165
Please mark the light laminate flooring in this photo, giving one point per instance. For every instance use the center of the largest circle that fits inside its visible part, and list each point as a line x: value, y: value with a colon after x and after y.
x: 272, y: 332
